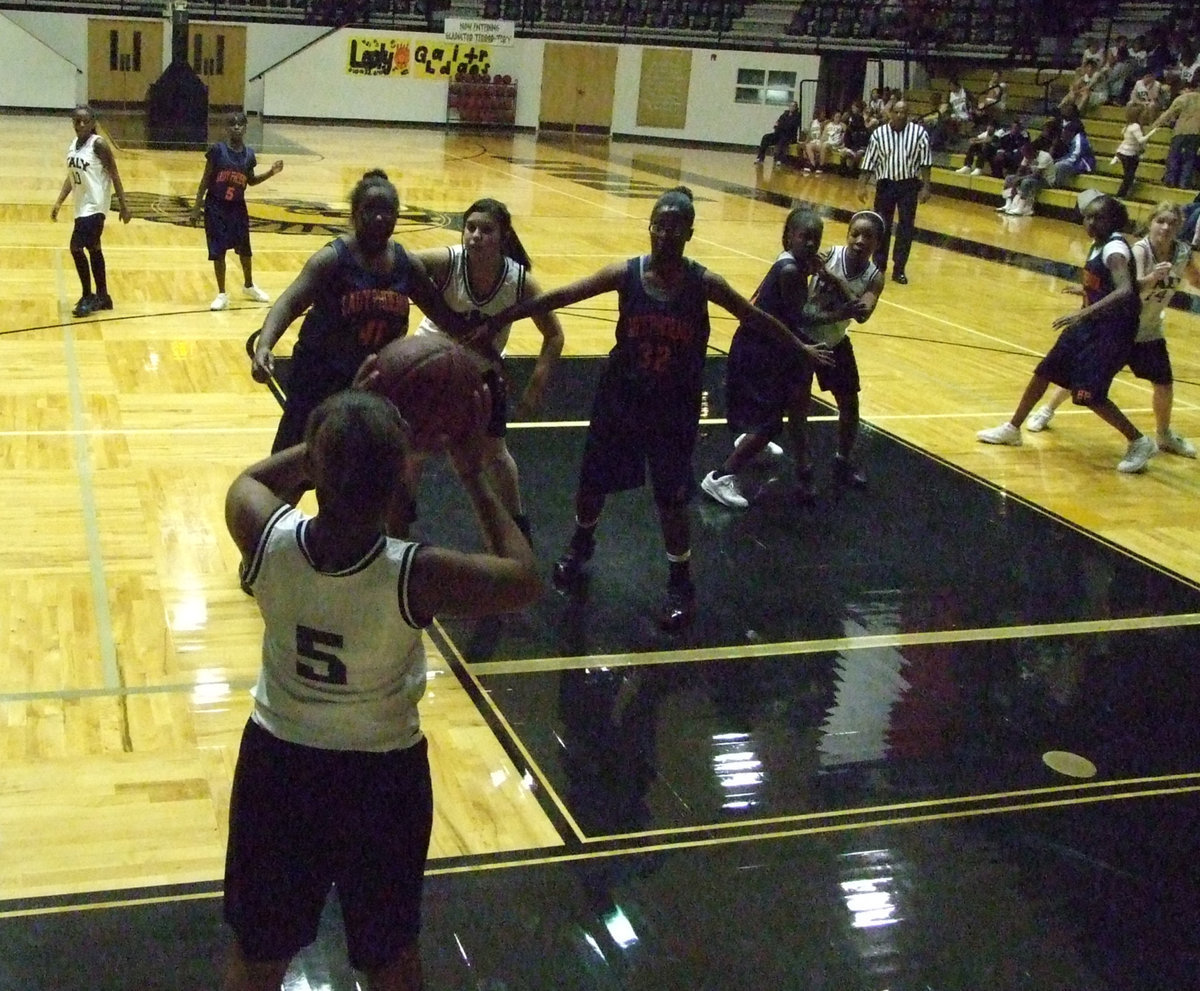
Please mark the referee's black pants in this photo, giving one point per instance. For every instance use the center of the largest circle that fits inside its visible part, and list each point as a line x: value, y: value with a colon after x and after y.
x: 896, y: 196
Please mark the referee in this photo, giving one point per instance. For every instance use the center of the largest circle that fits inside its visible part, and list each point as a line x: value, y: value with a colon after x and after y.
x: 899, y: 156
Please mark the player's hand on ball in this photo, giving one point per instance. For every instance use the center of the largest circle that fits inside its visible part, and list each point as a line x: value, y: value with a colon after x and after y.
x: 367, y: 376
x: 262, y: 365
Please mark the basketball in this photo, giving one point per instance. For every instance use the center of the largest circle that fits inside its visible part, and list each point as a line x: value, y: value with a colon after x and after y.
x: 433, y: 381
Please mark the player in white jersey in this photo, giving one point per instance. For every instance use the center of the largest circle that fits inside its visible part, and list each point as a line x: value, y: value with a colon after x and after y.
x: 846, y: 287
x: 484, y: 275
x: 1162, y: 261
x: 91, y: 177
x: 332, y: 784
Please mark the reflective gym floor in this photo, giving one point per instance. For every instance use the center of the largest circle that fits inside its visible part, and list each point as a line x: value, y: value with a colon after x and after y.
x: 937, y: 735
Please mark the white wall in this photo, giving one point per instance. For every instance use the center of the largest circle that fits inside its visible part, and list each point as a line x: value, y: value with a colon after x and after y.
x: 314, y: 83
x: 712, y: 114
x: 36, y: 74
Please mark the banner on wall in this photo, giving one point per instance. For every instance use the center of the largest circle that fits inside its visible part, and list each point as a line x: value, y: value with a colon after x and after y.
x: 379, y: 56
x: 498, y: 34
x: 399, y: 57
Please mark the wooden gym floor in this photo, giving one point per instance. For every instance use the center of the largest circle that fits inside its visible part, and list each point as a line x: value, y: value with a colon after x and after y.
x: 868, y: 765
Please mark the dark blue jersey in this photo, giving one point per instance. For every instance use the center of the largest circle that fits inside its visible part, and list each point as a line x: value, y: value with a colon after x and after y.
x: 661, y: 341
x: 356, y: 311
x: 1098, y: 282
x: 231, y: 171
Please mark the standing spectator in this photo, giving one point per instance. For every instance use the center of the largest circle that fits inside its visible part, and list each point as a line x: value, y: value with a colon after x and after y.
x: 1183, y: 115
x: 332, y: 785
x: 228, y: 170
x: 1133, y: 145
x: 781, y: 135
x: 899, y: 156
x: 91, y: 176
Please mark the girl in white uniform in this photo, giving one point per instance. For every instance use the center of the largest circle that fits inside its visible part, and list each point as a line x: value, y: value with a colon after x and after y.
x: 332, y: 785
x: 1161, y: 261
x: 484, y: 275
x: 91, y: 178
x: 846, y: 287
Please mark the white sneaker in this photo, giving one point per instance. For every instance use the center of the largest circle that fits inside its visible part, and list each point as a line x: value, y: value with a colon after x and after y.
x: 256, y: 294
x: 977, y: 171
x: 221, y: 302
x: 1172, y: 443
x: 965, y: 170
x: 1039, y: 419
x: 1006, y: 433
x: 724, y: 490
x: 771, y: 450
x: 1138, y: 453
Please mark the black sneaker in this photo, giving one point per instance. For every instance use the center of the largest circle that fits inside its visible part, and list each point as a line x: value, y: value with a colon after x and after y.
x: 83, y: 306
x: 101, y: 301
x: 679, y: 608
x: 568, y: 569
x: 846, y: 472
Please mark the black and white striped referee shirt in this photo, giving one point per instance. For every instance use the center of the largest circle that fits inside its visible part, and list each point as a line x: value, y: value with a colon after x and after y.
x: 896, y: 155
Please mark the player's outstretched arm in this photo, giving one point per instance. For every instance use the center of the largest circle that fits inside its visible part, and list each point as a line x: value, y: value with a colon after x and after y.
x: 293, y: 301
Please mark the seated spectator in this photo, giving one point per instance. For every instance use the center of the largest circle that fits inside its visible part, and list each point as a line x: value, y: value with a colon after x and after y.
x: 1120, y: 76
x: 874, y: 110
x: 1076, y: 156
x: 1033, y: 174
x: 992, y: 101
x: 1010, y: 144
x: 1088, y: 89
x: 1138, y: 53
x: 854, y: 145
x: 1147, y: 91
x: 936, y: 122
x: 960, y: 107
x: 816, y: 131
x: 781, y: 135
x: 829, y: 144
x: 980, y: 150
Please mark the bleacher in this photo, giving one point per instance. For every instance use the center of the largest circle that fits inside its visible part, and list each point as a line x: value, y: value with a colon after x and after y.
x: 619, y: 16
x: 983, y: 26
x: 1104, y: 126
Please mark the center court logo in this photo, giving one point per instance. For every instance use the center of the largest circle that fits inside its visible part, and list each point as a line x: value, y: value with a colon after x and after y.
x: 282, y: 216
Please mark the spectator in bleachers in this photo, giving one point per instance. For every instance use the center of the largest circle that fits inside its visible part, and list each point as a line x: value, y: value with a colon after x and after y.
x: 1033, y: 174
x: 829, y: 148
x: 1076, y: 157
x: 1147, y: 91
x: 1138, y: 53
x: 1010, y: 144
x: 1133, y: 145
x: 816, y: 130
x: 1120, y: 75
x: 781, y: 135
x: 960, y: 107
x: 935, y: 122
x: 874, y: 111
x: 1088, y: 89
x: 980, y: 150
x: 1183, y: 116
x: 854, y: 146
x: 992, y: 101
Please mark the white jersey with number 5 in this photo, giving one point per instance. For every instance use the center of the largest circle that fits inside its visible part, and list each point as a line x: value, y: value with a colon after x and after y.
x: 343, y: 660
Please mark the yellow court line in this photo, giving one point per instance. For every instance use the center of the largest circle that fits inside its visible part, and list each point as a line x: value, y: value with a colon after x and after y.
x: 566, y: 858
x: 513, y: 735
x: 751, y: 651
x: 929, y: 803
